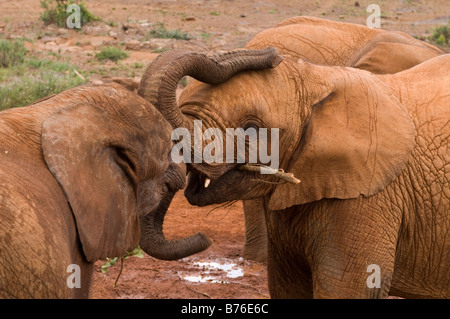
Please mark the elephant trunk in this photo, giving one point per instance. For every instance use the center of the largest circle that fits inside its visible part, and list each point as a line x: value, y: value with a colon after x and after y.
x: 160, y: 80
x: 156, y: 245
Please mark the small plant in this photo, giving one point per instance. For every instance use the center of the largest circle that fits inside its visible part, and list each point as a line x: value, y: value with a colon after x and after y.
x: 160, y: 50
x: 137, y: 65
x: 161, y: 32
x: 137, y: 252
x: 57, y: 13
x: 111, y: 53
x: 441, y: 35
x: 11, y: 53
x: 205, y: 36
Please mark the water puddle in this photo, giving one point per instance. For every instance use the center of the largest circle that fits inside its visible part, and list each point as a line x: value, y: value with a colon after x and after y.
x: 214, y: 271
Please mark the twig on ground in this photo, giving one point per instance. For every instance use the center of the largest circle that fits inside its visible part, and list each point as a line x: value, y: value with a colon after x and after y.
x: 79, y: 75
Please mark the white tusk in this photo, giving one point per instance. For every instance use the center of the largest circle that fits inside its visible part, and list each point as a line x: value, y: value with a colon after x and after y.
x: 207, y: 181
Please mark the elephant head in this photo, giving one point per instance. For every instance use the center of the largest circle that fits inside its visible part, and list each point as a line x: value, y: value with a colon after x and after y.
x: 335, y: 125
x: 109, y: 150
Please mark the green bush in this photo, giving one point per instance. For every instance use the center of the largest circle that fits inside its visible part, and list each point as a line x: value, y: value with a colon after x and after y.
x: 441, y: 35
x: 57, y: 13
x: 111, y: 53
x: 11, y: 53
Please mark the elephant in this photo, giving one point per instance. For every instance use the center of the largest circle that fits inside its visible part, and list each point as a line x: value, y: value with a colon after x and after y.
x: 329, y: 42
x: 85, y: 175
x: 370, y: 217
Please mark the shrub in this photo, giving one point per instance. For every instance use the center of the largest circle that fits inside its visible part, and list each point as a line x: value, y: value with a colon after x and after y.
x: 57, y: 14
x: 161, y: 32
x: 441, y: 35
x: 111, y: 53
x: 11, y: 53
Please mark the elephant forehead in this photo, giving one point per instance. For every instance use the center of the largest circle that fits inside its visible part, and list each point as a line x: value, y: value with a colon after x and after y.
x: 135, y: 114
x: 119, y: 103
x: 246, y: 94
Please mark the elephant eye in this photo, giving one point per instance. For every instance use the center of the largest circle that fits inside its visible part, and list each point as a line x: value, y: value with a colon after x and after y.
x: 165, y: 188
x: 247, y: 126
x: 124, y: 158
x: 251, y: 122
x: 127, y: 165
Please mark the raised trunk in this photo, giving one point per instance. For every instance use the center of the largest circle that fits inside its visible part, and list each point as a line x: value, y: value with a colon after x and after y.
x: 156, y: 245
x: 160, y: 80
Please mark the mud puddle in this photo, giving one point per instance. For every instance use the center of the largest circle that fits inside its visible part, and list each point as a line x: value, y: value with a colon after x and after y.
x: 221, y: 271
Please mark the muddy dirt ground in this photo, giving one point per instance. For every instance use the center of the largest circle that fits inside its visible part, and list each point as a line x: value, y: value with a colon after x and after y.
x: 220, y: 271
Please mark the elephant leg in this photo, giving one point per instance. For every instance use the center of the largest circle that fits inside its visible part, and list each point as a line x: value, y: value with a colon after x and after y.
x: 355, y: 256
x: 255, y: 247
x: 332, y: 249
x: 287, y: 279
x: 288, y: 270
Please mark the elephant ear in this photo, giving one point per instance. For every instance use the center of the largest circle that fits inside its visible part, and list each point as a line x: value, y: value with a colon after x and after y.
x: 358, y: 140
x: 76, y: 144
x: 389, y: 58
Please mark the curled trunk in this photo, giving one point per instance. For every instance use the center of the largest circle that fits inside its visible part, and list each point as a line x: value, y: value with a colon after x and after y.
x: 160, y: 80
x: 154, y: 243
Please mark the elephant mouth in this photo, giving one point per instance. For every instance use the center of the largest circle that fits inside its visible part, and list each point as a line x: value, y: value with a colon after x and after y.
x: 239, y: 182
x: 232, y: 185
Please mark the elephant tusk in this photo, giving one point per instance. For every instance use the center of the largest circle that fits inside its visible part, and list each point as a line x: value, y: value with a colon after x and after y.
x: 280, y: 173
x: 207, y: 182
